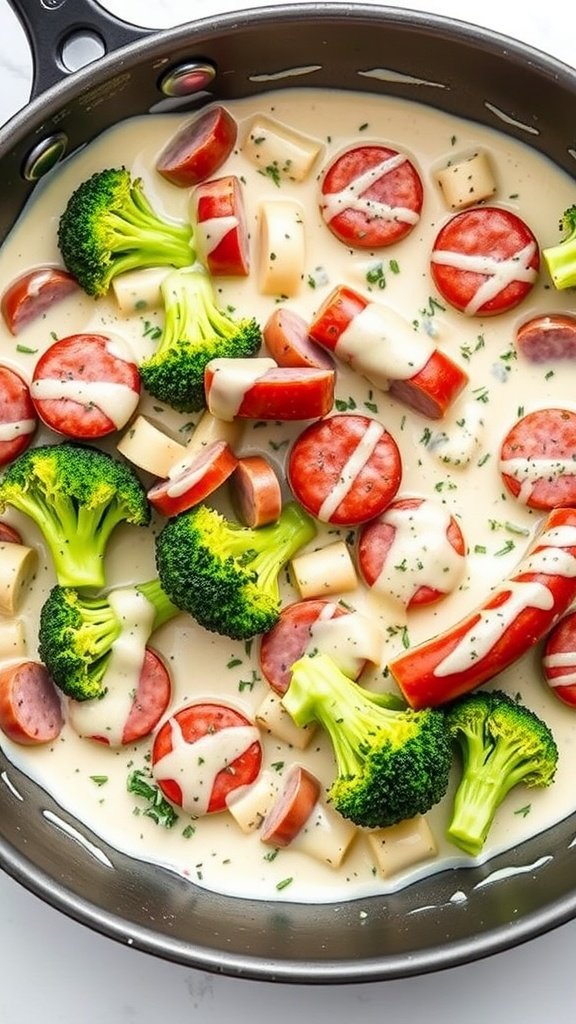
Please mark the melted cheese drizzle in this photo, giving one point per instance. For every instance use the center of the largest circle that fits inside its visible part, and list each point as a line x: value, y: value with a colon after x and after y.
x: 116, y: 401
x: 352, y: 197
x: 210, y: 233
x: 232, y: 379
x: 529, y: 472
x: 350, y: 470
x: 562, y: 659
x: 107, y: 716
x: 10, y: 431
x: 194, y: 766
x: 349, y: 640
x: 420, y: 554
x: 501, y: 273
x: 381, y: 346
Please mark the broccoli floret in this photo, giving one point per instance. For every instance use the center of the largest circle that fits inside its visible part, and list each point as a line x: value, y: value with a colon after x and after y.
x: 76, y: 495
x: 109, y: 227
x: 561, y: 258
x: 224, y: 574
x: 502, y: 743
x: 392, y: 764
x: 76, y: 636
x: 195, y: 331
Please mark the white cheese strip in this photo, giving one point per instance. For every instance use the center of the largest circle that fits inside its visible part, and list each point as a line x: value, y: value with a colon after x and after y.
x: 330, y: 570
x: 232, y: 379
x: 107, y: 716
x: 499, y: 273
x: 401, y: 846
x: 280, y: 151
x: 17, y: 566
x: 194, y: 766
x: 350, y: 470
x: 18, y: 428
x: 382, y: 346
x: 352, y: 197
x: 282, y: 249
x: 116, y: 401
x: 150, y: 448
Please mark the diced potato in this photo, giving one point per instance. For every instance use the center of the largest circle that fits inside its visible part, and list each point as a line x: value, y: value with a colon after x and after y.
x: 273, y: 718
x: 279, y: 151
x: 467, y: 181
x: 326, y: 836
x: 401, y: 846
x: 17, y: 566
x: 329, y: 570
x: 250, y: 805
x: 150, y: 448
x: 282, y: 249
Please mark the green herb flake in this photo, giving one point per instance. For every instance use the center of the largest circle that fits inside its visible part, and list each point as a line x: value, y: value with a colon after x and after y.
x: 157, y: 807
x: 524, y: 811
x: 26, y: 350
x: 99, y: 780
x: 284, y: 883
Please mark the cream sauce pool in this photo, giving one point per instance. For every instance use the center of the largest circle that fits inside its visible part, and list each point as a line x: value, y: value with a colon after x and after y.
x: 89, y: 779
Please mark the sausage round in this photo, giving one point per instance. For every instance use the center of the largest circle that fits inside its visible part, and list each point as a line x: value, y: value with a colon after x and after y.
x: 546, y: 339
x: 257, y: 491
x: 151, y: 699
x: 199, y: 148
x: 371, y: 196
x: 287, y: 641
x: 33, y: 293
x: 292, y: 807
x: 18, y: 420
x: 559, y: 660
x: 345, y: 469
x: 8, y: 535
x: 30, y: 708
x: 538, y: 459
x: 485, y: 261
x: 287, y: 340
x: 85, y: 386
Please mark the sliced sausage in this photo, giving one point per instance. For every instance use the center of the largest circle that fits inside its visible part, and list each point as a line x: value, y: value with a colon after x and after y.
x: 516, y: 615
x: 538, y: 459
x: 485, y: 261
x: 33, y: 293
x: 221, y: 232
x: 257, y: 389
x: 371, y: 196
x: 30, y: 708
x: 384, y: 348
x: 86, y: 386
x: 288, y: 640
x: 202, y: 753
x: 547, y: 339
x: 8, y: 535
x: 413, y: 552
x: 345, y: 469
x: 18, y: 420
x: 199, y: 148
x: 193, y: 478
x: 559, y: 660
x: 257, y: 491
x: 292, y: 807
x: 288, y: 342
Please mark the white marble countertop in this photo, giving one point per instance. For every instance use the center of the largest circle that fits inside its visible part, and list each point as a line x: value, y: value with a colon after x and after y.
x: 54, y: 970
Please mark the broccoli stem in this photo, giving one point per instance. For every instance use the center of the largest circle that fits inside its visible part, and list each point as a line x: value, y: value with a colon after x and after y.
x: 561, y: 263
x: 165, y: 609
x: 475, y: 805
x: 275, y: 544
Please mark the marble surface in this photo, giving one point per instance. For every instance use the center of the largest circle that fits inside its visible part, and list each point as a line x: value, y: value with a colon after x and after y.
x: 54, y: 970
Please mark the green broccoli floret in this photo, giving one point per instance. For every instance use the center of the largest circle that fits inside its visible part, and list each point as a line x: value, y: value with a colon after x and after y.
x: 195, y: 331
x: 109, y: 227
x: 76, y: 495
x: 561, y: 259
x: 224, y: 574
x: 502, y: 743
x: 76, y: 636
x: 392, y: 763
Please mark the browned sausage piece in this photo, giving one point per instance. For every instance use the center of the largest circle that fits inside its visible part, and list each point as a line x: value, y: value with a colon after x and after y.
x: 286, y: 336
x: 30, y: 709
x: 257, y: 491
x: 292, y: 808
x: 545, y: 339
x: 8, y: 535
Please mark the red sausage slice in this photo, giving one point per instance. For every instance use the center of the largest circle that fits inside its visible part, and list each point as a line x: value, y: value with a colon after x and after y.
x: 559, y: 660
x: 193, y: 479
x: 33, y: 293
x: 516, y: 615
x: 288, y: 640
x: 345, y: 469
x: 221, y: 232
x: 267, y: 393
x: 288, y: 342
x: 292, y: 808
x: 371, y: 197
x: 18, y: 418
x: 485, y: 261
x: 85, y: 386
x: 202, y: 753
x: 30, y: 709
x: 199, y: 148
x: 8, y: 535
x: 546, y: 339
x: 257, y: 491
x: 413, y: 552
x: 538, y: 459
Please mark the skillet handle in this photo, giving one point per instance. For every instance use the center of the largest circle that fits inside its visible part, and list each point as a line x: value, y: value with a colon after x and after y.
x: 49, y: 24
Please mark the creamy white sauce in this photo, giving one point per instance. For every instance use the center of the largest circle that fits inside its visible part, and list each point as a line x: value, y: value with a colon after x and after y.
x: 116, y: 401
x: 381, y: 346
x: 10, y: 431
x: 350, y: 470
x: 231, y: 381
x: 218, y: 855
